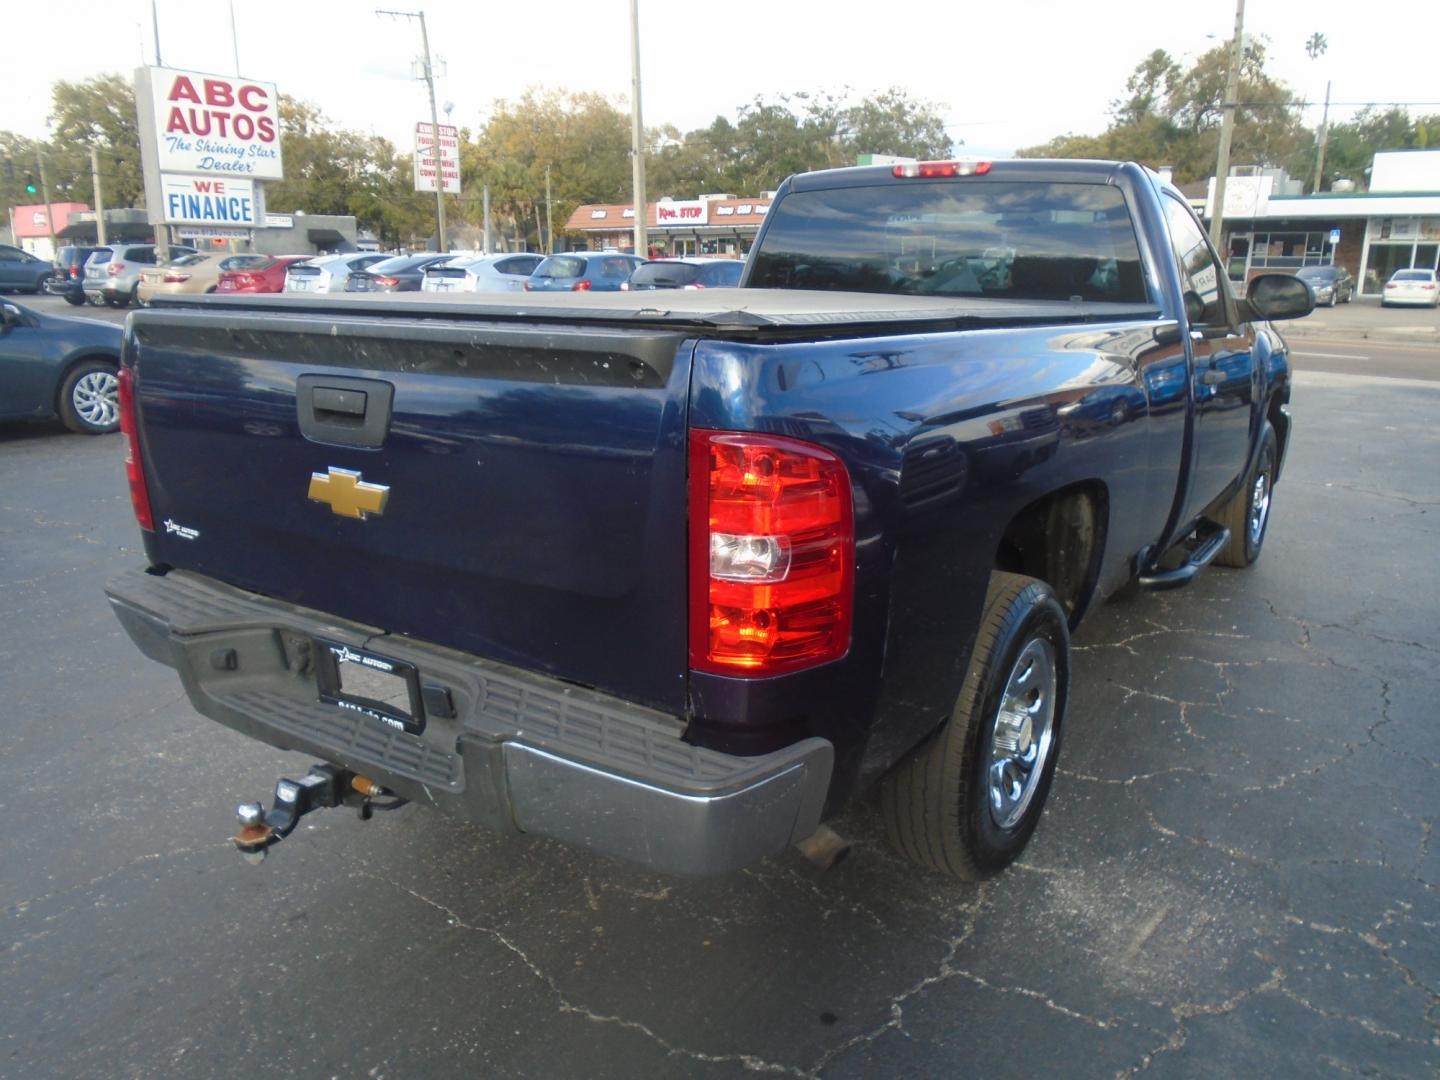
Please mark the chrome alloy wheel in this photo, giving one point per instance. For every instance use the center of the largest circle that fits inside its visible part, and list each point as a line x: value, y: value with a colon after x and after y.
x: 96, y: 399
x: 1023, y: 733
x: 1259, y: 505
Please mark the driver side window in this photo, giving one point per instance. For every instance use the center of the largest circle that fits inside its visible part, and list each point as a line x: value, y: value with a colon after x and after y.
x: 1200, y: 273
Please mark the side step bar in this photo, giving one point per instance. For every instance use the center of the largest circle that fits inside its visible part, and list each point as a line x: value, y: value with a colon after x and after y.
x: 1209, y: 538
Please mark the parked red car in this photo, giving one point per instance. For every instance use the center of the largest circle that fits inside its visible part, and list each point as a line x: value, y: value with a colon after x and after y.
x: 267, y: 276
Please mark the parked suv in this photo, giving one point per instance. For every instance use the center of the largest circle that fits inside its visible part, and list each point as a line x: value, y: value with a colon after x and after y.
x: 21, y: 271
x: 68, y: 279
x: 113, y: 273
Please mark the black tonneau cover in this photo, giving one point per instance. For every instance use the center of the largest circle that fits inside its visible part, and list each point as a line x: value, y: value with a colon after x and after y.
x: 759, y: 313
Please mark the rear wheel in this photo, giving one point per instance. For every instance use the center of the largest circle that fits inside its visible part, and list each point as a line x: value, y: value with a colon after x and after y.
x: 75, y: 298
x: 1247, y: 514
x: 89, y: 398
x: 966, y: 801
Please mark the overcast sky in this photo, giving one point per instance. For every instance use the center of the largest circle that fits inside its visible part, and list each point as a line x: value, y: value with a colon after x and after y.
x: 1004, y: 75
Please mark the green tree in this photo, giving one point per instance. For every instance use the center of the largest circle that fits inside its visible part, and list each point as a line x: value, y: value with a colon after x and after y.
x: 582, y: 138
x: 98, y: 112
x: 1172, y: 113
x: 891, y: 122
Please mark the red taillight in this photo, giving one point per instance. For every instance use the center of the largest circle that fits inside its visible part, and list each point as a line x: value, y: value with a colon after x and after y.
x: 1428, y: 285
x: 772, y: 545
x: 583, y: 285
x: 1390, y: 285
x: 176, y: 279
x: 74, y: 271
x: 525, y: 285
x: 114, y: 269
x: 381, y: 279
x: 930, y: 170
x: 694, y: 285
x: 134, y: 472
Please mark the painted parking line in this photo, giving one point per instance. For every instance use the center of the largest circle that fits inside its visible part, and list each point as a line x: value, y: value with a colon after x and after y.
x: 1329, y: 355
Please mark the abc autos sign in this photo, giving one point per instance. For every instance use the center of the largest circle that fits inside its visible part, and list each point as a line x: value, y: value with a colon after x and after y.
x: 208, y: 125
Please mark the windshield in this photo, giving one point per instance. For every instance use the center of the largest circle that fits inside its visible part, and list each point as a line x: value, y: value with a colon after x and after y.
x: 1316, y: 273
x: 1414, y: 275
x: 672, y: 274
x: 561, y: 266
x: 187, y: 260
x: 1015, y: 240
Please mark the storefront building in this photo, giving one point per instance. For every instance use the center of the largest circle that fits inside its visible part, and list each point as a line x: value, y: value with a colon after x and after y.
x: 1393, y: 226
x: 716, y: 225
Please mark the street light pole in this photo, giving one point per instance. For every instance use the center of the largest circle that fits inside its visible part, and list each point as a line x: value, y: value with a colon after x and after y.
x: 637, y: 135
x: 429, y: 70
x: 1227, y: 129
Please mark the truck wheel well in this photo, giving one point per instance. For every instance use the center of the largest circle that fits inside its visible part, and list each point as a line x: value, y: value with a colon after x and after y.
x: 1059, y: 539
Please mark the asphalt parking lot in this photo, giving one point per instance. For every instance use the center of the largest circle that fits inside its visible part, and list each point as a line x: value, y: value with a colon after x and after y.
x: 1237, y: 873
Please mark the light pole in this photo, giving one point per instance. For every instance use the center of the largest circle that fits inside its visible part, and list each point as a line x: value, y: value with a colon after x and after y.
x: 429, y: 76
x: 637, y: 134
x: 1227, y: 129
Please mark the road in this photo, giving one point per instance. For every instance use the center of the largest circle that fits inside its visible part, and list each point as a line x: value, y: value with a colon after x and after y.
x: 1237, y: 873
x: 1339, y: 356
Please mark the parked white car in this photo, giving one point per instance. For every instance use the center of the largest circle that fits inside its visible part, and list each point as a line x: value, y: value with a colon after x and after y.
x: 1411, y: 288
x: 486, y: 273
x: 327, y: 273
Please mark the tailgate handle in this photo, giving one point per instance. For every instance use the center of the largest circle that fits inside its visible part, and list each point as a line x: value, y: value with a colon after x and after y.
x: 340, y: 411
x: 340, y: 403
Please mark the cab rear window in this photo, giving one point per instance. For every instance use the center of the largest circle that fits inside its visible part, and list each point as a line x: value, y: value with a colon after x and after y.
x: 1013, y: 240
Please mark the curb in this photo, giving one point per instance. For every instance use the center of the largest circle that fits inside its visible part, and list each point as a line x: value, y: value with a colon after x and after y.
x: 1415, y: 335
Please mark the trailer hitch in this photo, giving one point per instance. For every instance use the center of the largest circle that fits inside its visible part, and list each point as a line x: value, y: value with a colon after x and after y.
x: 322, y: 787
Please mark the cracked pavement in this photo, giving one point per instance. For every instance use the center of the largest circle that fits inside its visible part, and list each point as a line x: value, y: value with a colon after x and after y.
x: 1237, y: 872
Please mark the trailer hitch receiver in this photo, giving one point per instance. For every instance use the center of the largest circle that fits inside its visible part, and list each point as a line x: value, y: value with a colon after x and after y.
x: 322, y: 787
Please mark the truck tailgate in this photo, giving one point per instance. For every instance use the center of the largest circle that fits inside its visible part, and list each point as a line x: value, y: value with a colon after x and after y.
x: 533, y: 508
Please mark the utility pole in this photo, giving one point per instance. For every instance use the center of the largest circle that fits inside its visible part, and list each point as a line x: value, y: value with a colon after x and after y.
x: 99, y: 197
x: 45, y: 191
x: 637, y: 135
x: 549, y: 220
x: 1320, y: 151
x: 429, y: 76
x: 485, y: 213
x: 1227, y: 130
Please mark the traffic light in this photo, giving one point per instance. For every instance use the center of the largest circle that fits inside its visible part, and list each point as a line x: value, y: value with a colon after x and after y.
x: 30, y: 188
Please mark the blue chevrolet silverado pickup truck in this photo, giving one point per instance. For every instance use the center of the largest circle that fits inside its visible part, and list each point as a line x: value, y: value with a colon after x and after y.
x: 674, y: 578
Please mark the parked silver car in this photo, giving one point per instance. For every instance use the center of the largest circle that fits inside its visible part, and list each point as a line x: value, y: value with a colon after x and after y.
x: 488, y: 273
x: 113, y: 273
x: 327, y: 273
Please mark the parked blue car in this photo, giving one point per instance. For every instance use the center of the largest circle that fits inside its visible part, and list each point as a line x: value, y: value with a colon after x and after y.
x: 583, y: 271
x: 52, y: 365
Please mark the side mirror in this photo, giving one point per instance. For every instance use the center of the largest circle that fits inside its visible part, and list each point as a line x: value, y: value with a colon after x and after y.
x: 1280, y: 296
x: 1194, y: 307
x: 9, y: 315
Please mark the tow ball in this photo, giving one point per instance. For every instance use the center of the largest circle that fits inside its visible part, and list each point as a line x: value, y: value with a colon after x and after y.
x: 322, y: 787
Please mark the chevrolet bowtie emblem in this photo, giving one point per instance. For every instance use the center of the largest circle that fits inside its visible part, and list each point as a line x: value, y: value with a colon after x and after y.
x: 346, y: 494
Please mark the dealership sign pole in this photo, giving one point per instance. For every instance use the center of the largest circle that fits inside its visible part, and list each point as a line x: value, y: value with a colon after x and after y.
x: 204, y: 142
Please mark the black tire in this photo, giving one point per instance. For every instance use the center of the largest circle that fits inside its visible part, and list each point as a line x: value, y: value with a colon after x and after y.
x: 1334, y: 299
x: 1247, y: 538
x: 117, y: 301
x: 75, y: 298
x: 937, y: 803
x: 89, y: 402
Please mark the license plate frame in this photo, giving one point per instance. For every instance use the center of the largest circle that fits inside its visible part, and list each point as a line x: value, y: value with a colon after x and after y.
x: 372, y: 684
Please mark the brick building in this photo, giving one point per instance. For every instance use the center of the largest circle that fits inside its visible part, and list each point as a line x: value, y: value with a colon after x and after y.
x: 709, y: 225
